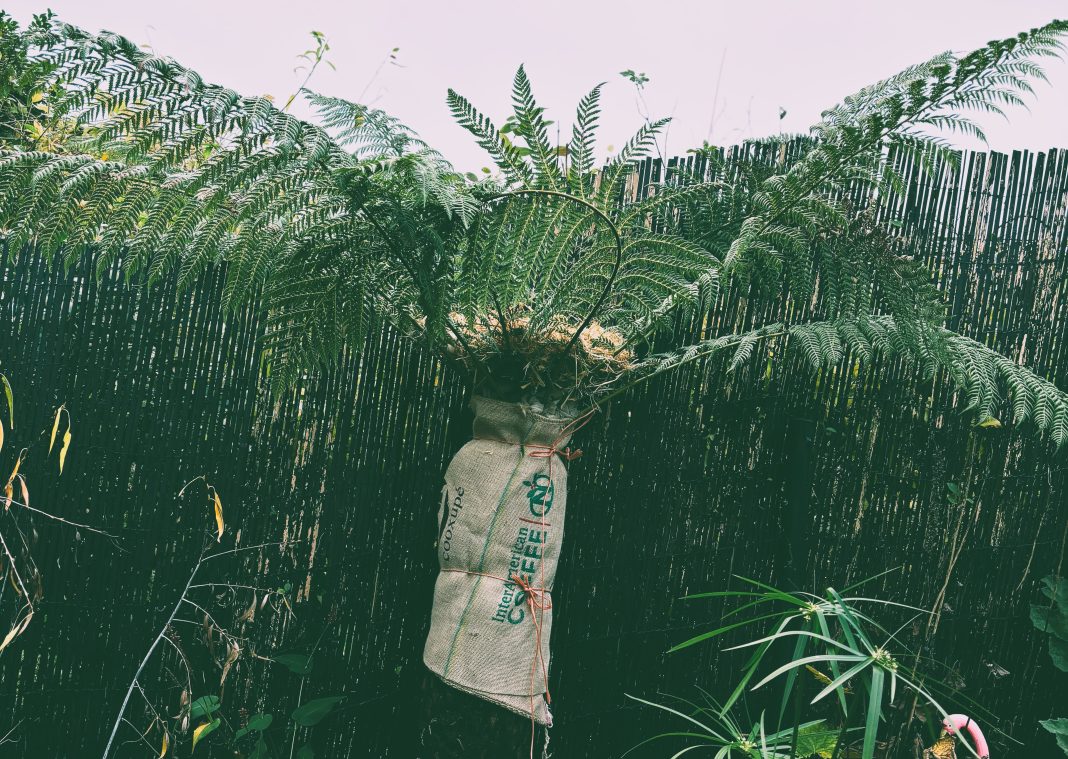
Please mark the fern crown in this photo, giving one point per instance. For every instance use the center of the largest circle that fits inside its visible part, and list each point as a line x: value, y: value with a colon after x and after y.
x: 553, y: 278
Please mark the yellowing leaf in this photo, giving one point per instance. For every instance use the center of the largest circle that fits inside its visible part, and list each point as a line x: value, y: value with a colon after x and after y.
x: 37, y: 97
x: 9, y: 489
x: 1, y: 434
x: 990, y: 422
x: 203, y: 730
x: 55, y: 429
x: 10, y: 401
x: 218, y: 515
x: 18, y: 463
x: 9, y: 637
x: 818, y: 675
x: 15, y: 631
x: 163, y: 751
x: 63, y: 450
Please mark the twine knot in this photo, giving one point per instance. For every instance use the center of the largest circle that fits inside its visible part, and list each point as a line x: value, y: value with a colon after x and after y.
x: 548, y: 451
x: 538, y: 598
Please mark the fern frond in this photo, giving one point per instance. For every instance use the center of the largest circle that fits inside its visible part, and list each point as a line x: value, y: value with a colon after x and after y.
x: 580, y: 149
x: 530, y: 124
x: 505, y: 155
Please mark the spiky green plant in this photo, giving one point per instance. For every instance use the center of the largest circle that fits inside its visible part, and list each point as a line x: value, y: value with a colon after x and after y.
x: 861, y: 666
x: 540, y: 281
x: 713, y: 728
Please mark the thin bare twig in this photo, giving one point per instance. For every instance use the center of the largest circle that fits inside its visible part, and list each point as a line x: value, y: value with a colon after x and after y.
x: 61, y: 519
x: 151, y: 650
x: 141, y: 737
x: 211, y: 556
x: 6, y: 737
x: 185, y: 663
x: 205, y: 611
x: 230, y: 585
x: 15, y: 571
x: 186, y: 485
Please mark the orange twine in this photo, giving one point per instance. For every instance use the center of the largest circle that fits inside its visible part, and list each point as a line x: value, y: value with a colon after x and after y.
x: 536, y: 596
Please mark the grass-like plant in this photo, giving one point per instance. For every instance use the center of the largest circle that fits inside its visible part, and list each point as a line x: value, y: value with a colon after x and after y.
x: 860, y: 664
x: 719, y: 730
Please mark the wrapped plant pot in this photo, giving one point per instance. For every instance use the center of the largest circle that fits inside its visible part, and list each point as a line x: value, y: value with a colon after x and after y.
x: 501, y: 527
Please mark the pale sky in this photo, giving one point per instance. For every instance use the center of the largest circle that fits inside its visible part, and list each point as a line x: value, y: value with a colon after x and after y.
x: 722, y: 70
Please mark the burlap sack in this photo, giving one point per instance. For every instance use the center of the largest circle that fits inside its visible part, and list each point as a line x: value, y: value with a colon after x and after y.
x: 501, y: 516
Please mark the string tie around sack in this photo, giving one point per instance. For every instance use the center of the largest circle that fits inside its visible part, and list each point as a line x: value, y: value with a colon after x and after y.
x: 539, y: 600
x: 535, y: 596
x: 553, y: 450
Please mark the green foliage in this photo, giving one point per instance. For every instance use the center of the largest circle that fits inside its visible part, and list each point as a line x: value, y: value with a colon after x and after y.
x: 311, y: 713
x: 313, y: 57
x: 549, y: 277
x: 639, y: 80
x: 10, y: 398
x: 298, y: 664
x: 21, y: 105
x: 256, y: 724
x: 1052, y: 618
x: 203, y: 731
x: 255, y: 740
x: 718, y: 729
x: 170, y: 175
x: 1059, y: 729
x: 204, y: 706
x: 833, y: 638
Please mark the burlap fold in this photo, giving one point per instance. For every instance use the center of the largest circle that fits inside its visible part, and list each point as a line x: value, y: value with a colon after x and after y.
x: 501, y: 518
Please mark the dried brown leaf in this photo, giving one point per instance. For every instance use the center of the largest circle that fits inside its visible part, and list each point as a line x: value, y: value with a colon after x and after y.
x: 231, y: 657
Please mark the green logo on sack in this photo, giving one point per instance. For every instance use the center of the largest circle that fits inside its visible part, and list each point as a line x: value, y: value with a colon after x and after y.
x: 540, y: 494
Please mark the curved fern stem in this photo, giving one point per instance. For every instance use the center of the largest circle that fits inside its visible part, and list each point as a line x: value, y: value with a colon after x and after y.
x: 410, y: 268
x: 615, y: 268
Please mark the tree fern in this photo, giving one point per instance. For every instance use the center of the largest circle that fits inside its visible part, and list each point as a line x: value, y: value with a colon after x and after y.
x: 542, y: 279
x: 169, y: 174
